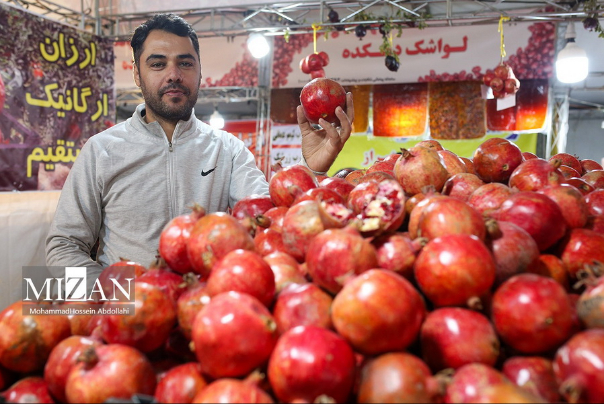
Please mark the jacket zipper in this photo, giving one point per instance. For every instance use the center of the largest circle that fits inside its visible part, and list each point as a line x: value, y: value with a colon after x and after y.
x: 171, y: 180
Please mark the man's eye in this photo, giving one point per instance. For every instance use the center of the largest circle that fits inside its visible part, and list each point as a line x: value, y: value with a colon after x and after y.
x: 156, y: 65
x: 186, y: 64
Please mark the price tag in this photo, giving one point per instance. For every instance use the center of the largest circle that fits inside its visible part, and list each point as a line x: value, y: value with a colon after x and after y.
x: 506, y: 102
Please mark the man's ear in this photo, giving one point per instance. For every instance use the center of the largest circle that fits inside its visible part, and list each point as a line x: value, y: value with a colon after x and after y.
x: 136, y: 75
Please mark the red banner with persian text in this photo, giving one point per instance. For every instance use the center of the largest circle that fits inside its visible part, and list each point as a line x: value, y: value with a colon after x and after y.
x: 56, y: 91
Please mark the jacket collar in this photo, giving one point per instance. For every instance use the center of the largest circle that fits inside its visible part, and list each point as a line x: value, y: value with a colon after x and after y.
x: 182, y: 129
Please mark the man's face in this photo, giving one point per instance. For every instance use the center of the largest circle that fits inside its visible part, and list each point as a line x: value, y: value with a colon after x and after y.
x: 169, y: 75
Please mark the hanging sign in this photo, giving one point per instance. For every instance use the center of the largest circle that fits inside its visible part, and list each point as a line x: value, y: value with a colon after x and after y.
x: 57, y: 85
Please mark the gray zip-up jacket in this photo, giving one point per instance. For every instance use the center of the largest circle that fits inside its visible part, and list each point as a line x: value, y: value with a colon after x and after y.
x: 129, y: 181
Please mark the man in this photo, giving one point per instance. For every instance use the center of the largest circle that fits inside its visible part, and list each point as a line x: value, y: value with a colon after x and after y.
x: 131, y: 179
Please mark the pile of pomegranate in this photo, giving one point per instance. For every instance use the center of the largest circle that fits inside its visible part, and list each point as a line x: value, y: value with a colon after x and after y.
x: 428, y: 278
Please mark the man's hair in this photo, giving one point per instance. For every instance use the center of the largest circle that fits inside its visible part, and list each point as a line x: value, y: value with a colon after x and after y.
x: 165, y: 22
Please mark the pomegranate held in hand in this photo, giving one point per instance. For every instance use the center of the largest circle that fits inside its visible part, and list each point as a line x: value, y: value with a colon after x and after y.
x: 320, y: 97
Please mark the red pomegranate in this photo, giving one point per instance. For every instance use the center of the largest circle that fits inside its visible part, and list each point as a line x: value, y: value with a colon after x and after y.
x: 217, y: 333
x: 469, y: 165
x: 590, y: 305
x: 120, y: 272
x: 336, y: 255
x: 571, y: 203
x: 495, y: 159
x: 267, y: 241
x: 31, y: 389
x: 528, y: 155
x: 109, y: 371
x: 417, y: 212
x: 62, y: 359
x: 289, y: 182
x: 462, y: 185
x: 568, y: 172
x: 309, y: 362
x: 190, y: 302
x: 275, y: 215
x: 419, y: 167
x: 590, y: 165
x: 245, y: 272
x: 286, y: 270
x: 452, y: 162
x: 227, y: 390
x: 212, y: 237
x: 26, y: 340
x: 180, y: 384
x: 302, y: 304
x: 579, y: 368
x: 455, y: 270
x: 301, y: 224
x: 397, y: 377
x: 173, y: 240
x: 488, y: 198
x: 320, y: 194
x: 514, y: 250
x: 383, y: 165
x: 535, y: 374
x: 397, y: 252
x: 252, y: 206
x: 377, y: 312
x: 534, y: 174
x: 448, y: 215
x: 168, y: 281
x: 532, y: 313
x: 379, y: 206
x: 340, y: 185
x: 568, y: 160
x: 595, y: 202
x: 536, y: 213
x: 580, y: 184
x: 451, y: 337
x: 377, y: 176
x: 430, y: 144
x: 82, y: 324
x: 595, y: 178
x: 579, y: 248
x: 320, y: 98
x: 551, y: 266
x: 504, y: 393
x: 354, y: 176
x: 470, y: 379
x: 148, y: 327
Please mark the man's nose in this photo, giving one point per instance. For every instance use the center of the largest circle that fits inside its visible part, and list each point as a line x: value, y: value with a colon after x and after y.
x: 174, y: 74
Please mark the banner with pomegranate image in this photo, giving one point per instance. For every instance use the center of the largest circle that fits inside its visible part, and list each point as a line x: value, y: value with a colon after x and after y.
x: 56, y: 91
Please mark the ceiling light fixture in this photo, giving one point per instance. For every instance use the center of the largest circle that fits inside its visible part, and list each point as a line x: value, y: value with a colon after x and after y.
x: 216, y: 120
x: 572, y: 62
x: 258, y: 45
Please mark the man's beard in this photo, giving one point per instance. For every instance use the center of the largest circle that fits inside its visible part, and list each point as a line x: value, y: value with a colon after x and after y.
x: 169, y: 112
